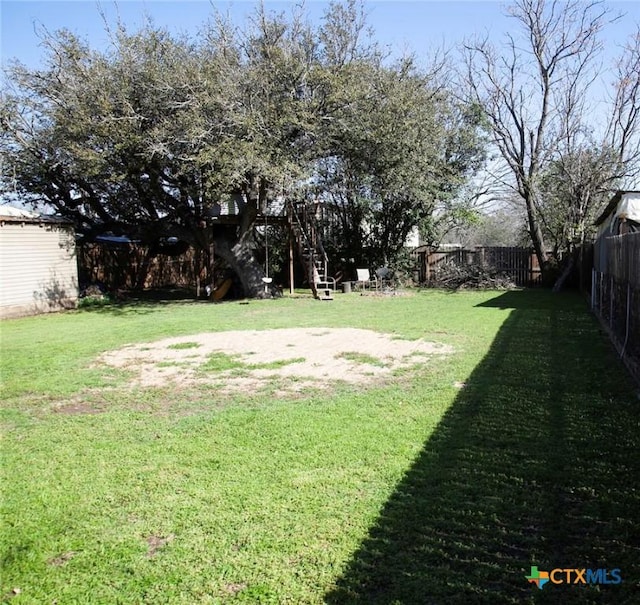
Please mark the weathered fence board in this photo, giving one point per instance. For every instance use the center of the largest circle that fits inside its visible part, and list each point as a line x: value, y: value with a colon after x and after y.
x: 623, y: 255
x: 133, y: 267
x: 520, y: 264
x: 615, y: 294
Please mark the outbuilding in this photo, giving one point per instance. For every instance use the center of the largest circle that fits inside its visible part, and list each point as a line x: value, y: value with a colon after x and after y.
x: 622, y: 214
x: 38, y: 267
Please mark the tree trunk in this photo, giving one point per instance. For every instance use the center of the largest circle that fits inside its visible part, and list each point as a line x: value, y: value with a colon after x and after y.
x: 563, y: 277
x: 537, y: 239
x: 239, y: 257
x: 234, y: 244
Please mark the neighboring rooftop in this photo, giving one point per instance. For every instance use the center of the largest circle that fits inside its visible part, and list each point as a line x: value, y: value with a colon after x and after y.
x: 613, y: 204
x: 11, y: 214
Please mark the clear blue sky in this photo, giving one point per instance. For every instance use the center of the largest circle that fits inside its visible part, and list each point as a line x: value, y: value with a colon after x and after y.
x: 416, y: 25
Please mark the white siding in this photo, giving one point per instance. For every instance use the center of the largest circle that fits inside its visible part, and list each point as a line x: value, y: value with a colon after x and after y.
x: 38, y: 268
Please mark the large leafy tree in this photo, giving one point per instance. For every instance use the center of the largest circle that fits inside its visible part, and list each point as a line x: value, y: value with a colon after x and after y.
x: 575, y: 188
x: 402, y: 162
x: 155, y: 136
x: 397, y: 145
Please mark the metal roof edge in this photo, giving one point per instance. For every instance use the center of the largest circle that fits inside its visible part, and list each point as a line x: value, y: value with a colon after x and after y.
x: 35, y: 220
x: 613, y: 202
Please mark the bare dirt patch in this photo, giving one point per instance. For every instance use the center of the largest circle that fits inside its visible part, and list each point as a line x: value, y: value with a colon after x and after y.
x: 299, y: 357
x: 234, y: 588
x: 155, y: 543
x: 62, y: 559
x: 78, y: 408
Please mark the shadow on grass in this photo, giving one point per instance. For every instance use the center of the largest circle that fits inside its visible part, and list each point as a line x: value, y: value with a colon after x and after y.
x: 536, y: 463
x: 141, y: 302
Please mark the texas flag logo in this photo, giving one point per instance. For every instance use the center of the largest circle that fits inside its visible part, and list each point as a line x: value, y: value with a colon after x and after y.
x: 539, y: 578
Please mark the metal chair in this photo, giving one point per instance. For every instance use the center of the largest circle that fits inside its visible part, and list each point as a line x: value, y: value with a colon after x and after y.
x: 325, y: 285
x: 365, y: 279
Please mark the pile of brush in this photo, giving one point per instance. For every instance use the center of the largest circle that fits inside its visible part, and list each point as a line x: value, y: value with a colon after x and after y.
x: 454, y: 276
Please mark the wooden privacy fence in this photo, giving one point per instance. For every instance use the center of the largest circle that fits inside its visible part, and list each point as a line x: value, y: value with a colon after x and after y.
x: 134, y: 267
x: 619, y: 257
x: 615, y: 293
x: 519, y: 264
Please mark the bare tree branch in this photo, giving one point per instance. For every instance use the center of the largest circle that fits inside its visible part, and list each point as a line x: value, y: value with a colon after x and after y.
x: 533, y: 91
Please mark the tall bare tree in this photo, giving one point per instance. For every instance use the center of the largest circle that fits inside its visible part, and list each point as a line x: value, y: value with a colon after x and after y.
x: 623, y: 133
x: 530, y: 88
x: 589, y: 162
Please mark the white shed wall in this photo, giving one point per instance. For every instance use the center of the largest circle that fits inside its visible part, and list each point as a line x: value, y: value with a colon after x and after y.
x: 38, y: 268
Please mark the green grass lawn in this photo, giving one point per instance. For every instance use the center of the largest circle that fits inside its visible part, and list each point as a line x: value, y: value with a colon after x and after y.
x: 443, y: 485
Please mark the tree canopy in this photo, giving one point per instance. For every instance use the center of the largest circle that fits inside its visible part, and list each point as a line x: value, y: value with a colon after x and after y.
x: 150, y: 137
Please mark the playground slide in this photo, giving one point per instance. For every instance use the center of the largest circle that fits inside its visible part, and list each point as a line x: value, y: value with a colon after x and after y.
x: 221, y: 290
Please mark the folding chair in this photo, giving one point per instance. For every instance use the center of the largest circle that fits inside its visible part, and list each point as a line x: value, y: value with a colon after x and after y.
x: 325, y: 285
x: 365, y: 279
